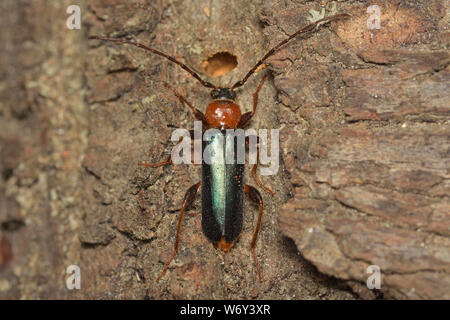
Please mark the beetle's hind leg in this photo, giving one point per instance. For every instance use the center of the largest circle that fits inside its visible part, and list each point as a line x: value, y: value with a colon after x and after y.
x: 255, y: 196
x: 188, y: 199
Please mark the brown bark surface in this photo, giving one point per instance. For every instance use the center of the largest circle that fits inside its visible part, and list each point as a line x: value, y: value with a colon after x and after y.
x: 364, y: 160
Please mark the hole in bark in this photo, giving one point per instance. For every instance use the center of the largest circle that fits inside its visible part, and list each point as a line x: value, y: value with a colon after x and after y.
x: 219, y: 64
x: 12, y: 225
x: 7, y: 173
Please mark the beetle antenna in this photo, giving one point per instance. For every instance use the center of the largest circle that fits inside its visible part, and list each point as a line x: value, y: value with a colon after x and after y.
x: 308, y: 28
x: 182, y: 65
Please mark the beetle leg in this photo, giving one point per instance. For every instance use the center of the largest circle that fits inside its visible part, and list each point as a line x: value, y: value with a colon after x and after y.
x: 197, y: 113
x: 169, y: 159
x: 255, y: 166
x: 255, y: 196
x: 255, y: 176
x: 246, y: 117
x: 188, y: 199
x: 155, y: 165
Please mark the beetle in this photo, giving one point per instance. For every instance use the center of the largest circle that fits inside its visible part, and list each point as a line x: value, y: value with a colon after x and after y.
x: 222, y: 184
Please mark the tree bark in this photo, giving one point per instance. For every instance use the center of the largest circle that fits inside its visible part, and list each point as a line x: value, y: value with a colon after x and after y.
x: 364, y: 140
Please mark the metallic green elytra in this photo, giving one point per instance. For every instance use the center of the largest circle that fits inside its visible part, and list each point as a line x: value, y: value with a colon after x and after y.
x: 222, y: 187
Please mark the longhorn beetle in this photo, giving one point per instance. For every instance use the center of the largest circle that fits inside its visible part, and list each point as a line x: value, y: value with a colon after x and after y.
x: 222, y: 184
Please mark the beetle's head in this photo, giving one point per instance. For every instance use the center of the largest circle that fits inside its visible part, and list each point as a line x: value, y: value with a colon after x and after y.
x: 223, y: 93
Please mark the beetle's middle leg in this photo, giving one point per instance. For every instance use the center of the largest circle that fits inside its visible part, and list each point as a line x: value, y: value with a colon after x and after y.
x: 197, y: 114
x: 188, y: 199
x: 157, y: 164
x: 169, y: 159
x: 255, y: 196
x: 255, y: 166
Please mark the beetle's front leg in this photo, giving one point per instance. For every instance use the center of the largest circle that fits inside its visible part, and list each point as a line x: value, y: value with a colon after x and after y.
x: 197, y: 113
x: 246, y: 117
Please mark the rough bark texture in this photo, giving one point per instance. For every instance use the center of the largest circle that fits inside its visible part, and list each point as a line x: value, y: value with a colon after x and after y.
x: 364, y: 173
x: 371, y: 161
